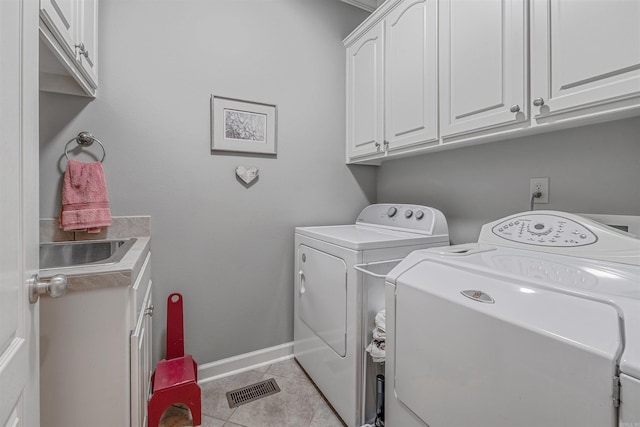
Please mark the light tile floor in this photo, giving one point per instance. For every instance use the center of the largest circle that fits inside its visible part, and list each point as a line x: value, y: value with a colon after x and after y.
x: 298, y: 404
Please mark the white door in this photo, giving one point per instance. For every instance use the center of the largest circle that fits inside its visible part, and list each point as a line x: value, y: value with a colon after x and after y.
x: 19, y: 391
x: 365, y: 95
x: 583, y: 53
x: 411, y: 75
x: 483, y: 54
x: 88, y: 36
x: 322, y: 296
x: 61, y: 17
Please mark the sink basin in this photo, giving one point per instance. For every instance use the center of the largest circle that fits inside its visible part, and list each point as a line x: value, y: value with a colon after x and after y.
x: 83, y: 253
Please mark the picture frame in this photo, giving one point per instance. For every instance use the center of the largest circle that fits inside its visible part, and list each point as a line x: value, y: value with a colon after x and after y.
x: 243, y: 126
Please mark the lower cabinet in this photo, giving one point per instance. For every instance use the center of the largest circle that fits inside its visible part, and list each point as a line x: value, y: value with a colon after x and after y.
x: 95, y: 354
x: 141, y: 362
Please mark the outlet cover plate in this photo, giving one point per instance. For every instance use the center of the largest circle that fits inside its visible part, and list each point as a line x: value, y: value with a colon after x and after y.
x: 542, y: 185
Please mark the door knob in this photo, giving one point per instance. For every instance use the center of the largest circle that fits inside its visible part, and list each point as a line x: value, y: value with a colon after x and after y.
x: 55, y: 287
x: 538, y: 102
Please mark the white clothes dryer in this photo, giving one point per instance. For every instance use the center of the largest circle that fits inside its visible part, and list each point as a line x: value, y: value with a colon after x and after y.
x: 329, y: 294
x: 537, y: 324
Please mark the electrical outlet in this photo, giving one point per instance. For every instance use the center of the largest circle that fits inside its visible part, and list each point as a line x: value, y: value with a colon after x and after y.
x: 541, y: 185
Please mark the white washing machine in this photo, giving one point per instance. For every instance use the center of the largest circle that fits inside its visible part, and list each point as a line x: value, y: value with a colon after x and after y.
x: 329, y: 294
x: 537, y: 324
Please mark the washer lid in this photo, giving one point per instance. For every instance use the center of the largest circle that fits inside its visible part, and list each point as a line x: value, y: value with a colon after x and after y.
x: 477, y: 348
x: 617, y: 285
x: 365, y: 237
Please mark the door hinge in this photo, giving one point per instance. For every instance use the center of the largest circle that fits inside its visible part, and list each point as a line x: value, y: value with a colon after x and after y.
x: 616, y: 392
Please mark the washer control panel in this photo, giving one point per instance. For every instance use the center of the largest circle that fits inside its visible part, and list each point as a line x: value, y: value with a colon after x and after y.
x: 544, y: 230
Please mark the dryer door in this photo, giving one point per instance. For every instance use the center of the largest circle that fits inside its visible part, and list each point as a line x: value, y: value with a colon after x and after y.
x: 479, y: 349
x: 322, y: 296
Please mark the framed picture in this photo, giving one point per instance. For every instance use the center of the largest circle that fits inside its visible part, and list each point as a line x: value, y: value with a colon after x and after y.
x: 243, y: 126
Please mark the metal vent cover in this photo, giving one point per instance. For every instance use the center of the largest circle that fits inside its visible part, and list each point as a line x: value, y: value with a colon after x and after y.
x: 252, y: 392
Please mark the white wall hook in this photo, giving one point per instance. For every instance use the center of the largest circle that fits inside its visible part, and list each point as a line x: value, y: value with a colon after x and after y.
x: 247, y: 174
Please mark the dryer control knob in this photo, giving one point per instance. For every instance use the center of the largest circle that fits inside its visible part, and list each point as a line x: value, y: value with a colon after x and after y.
x: 392, y: 211
x: 419, y: 215
x: 408, y: 213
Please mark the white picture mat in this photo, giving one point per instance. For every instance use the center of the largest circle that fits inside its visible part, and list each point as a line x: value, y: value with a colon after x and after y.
x: 256, y: 115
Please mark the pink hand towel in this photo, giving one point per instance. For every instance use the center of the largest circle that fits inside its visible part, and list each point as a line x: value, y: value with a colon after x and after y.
x: 85, y: 202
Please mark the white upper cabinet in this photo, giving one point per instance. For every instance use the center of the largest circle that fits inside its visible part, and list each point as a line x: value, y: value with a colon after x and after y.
x: 411, y: 75
x: 365, y: 94
x: 69, y: 34
x: 392, y: 78
x: 61, y: 17
x: 458, y: 72
x: 87, y: 52
x: 483, y: 53
x: 583, y: 54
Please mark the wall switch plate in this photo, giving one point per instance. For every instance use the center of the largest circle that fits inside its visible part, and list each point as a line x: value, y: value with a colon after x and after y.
x: 541, y: 185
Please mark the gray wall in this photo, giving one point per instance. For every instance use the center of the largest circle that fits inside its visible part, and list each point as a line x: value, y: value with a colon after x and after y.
x: 227, y: 248
x: 592, y: 169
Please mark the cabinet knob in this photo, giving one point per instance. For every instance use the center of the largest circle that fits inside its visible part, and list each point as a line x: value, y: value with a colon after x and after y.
x: 55, y: 287
x: 386, y: 146
x: 83, y: 51
x: 377, y: 144
x: 149, y: 310
x: 538, y: 102
x: 515, y: 108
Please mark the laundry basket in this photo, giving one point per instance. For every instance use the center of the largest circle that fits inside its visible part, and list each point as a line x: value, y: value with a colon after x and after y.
x: 373, y: 278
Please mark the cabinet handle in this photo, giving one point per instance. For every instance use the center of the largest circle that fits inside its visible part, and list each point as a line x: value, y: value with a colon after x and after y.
x: 377, y: 144
x: 538, y: 102
x: 149, y: 310
x: 55, y: 287
x: 386, y: 146
x: 83, y: 51
x: 515, y: 108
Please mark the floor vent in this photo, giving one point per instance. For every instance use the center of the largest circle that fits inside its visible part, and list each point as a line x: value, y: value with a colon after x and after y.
x: 252, y: 392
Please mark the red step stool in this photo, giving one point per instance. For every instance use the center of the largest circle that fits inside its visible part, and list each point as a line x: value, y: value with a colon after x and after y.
x: 175, y: 379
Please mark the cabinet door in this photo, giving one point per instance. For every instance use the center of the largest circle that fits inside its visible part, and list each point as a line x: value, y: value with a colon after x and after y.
x: 141, y: 362
x: 482, y: 64
x: 411, y: 74
x: 365, y: 94
x: 88, y: 36
x: 583, y: 53
x: 60, y: 16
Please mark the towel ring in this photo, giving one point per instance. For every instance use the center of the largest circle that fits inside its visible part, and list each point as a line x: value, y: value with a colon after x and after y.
x: 85, y: 139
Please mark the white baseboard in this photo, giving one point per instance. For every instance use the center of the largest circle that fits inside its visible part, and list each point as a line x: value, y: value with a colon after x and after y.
x: 244, y: 362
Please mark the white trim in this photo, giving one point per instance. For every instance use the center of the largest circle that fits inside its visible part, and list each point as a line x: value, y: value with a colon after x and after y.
x: 244, y: 362
x: 368, y: 5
